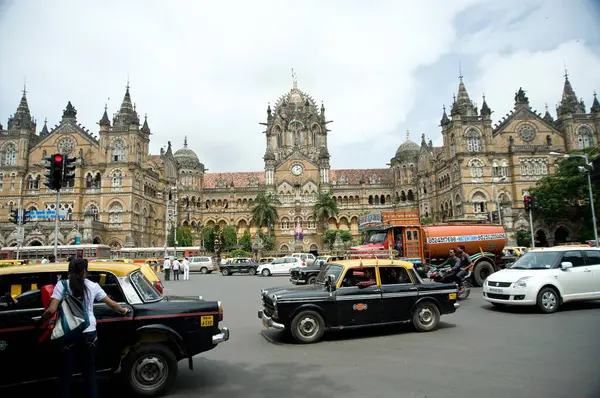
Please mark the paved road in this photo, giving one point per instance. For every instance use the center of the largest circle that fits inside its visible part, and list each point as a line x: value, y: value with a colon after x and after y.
x: 477, y: 352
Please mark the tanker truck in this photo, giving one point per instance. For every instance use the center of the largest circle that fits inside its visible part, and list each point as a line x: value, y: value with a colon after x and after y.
x: 402, y: 234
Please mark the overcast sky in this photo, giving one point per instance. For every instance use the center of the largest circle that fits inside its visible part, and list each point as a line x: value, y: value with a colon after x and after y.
x: 208, y: 69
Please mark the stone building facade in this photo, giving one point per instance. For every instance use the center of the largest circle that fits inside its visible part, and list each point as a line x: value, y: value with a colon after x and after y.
x: 120, y: 194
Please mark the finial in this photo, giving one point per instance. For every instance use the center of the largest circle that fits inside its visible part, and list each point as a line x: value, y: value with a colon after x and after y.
x: 294, y: 79
x: 407, y: 134
x: 594, y: 93
x: 444, y: 107
x: 45, y: 120
x: 135, y: 106
x: 483, y: 97
x: 145, y: 116
x: 25, y: 85
x: 105, y: 107
x: 127, y: 87
x: 566, y: 71
x: 460, y: 75
x: 454, y: 97
x: 185, y: 141
x: 546, y: 106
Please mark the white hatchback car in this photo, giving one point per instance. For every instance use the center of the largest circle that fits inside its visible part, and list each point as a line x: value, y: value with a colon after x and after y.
x: 547, y: 278
x: 280, y: 266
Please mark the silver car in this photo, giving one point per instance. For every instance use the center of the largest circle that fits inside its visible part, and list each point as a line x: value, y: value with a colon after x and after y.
x: 204, y: 264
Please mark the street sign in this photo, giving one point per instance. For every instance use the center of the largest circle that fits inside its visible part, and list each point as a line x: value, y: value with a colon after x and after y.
x: 42, y: 215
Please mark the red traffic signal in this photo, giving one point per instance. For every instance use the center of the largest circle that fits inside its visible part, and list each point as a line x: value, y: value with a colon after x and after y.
x: 527, y: 202
x: 58, y: 158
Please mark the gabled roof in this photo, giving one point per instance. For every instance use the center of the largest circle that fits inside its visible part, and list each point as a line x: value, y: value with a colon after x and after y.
x: 519, y: 113
x: 67, y: 126
x: 354, y: 176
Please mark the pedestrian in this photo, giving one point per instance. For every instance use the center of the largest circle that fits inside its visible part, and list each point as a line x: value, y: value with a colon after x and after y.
x: 85, y: 342
x: 52, y: 258
x: 176, y: 265
x: 186, y: 269
x: 45, y: 260
x: 167, y: 269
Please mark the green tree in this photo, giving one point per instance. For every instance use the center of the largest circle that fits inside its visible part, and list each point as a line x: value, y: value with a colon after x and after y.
x: 229, y: 237
x: 523, y: 238
x: 330, y: 234
x: 565, y: 196
x: 208, y: 237
x: 245, y: 241
x: 264, y: 212
x: 240, y: 253
x: 268, y: 241
x: 184, y: 237
x: 426, y: 220
x: 325, y: 208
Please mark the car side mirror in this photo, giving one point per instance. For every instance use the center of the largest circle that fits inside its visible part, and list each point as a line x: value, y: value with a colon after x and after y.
x: 566, y: 264
x: 330, y: 282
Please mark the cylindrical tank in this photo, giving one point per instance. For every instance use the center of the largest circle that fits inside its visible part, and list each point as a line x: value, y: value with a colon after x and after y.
x: 439, y: 239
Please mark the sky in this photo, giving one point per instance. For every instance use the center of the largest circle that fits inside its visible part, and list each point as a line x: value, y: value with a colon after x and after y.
x: 207, y: 70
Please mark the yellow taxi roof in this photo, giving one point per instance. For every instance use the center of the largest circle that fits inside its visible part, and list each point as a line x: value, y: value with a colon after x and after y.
x: 119, y: 269
x: 366, y: 262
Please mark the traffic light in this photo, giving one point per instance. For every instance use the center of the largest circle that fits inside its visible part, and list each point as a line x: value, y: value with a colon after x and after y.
x: 26, y: 217
x: 54, y: 171
x: 69, y: 170
x: 14, y: 216
x: 527, y: 202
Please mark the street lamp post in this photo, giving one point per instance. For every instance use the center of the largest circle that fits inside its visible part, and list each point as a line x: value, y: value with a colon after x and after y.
x: 585, y: 169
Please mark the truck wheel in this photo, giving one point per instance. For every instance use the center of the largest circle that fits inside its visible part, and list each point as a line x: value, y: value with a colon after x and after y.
x: 203, y: 270
x: 252, y: 271
x: 482, y: 270
x: 426, y: 316
x: 307, y: 327
x: 312, y: 280
x: 225, y: 272
x: 150, y: 370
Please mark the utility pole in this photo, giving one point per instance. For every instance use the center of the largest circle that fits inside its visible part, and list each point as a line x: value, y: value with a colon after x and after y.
x: 58, y: 171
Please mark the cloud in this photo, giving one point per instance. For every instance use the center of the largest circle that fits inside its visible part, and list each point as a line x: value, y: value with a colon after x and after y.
x: 207, y: 69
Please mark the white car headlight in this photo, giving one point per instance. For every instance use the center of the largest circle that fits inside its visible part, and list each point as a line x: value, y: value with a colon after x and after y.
x: 521, y: 282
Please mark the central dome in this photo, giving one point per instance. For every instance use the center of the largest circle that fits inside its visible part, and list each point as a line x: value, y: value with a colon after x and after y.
x: 186, y: 157
x: 296, y: 98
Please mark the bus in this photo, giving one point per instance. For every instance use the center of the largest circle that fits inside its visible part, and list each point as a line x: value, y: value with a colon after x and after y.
x: 141, y: 254
x: 35, y: 254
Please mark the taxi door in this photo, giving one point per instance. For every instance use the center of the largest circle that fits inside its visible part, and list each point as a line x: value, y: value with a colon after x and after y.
x: 359, y: 306
x: 412, y: 243
x: 23, y: 358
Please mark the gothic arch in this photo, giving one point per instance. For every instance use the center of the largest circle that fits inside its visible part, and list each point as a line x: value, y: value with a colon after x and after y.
x: 561, y: 233
x: 97, y: 240
x: 284, y: 248
x: 479, y: 191
x: 474, y: 161
x: 473, y: 129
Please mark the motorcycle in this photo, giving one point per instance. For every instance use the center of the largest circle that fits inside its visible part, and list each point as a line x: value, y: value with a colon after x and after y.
x: 443, y: 275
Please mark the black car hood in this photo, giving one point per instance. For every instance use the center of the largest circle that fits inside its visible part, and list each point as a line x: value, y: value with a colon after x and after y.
x: 295, y: 292
x: 310, y: 268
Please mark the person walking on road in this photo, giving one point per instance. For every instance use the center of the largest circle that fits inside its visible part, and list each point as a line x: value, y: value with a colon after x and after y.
x: 176, y: 266
x: 186, y: 269
x: 167, y: 269
x: 84, y: 342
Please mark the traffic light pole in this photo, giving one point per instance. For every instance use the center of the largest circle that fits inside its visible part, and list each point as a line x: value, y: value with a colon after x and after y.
x: 19, y: 226
x: 57, y: 215
x: 531, y: 227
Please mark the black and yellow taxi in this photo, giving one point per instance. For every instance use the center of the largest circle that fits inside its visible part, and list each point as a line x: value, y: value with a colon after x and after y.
x: 146, y: 344
x: 308, y: 275
x: 354, y: 294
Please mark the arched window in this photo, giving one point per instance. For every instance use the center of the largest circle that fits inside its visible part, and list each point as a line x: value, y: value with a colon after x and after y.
x: 479, y: 203
x: 473, y: 141
x: 115, y: 214
x: 93, y: 209
x: 117, y: 179
x: 118, y: 150
x: 1, y: 181
x: 476, y: 167
x: 585, y: 137
x: 10, y: 155
x: 89, y: 180
x: 97, y: 183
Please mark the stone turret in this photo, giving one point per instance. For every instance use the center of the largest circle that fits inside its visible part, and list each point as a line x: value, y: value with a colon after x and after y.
x: 569, y: 103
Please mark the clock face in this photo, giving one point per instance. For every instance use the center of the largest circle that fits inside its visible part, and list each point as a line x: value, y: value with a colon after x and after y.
x: 297, y: 169
x: 66, y: 145
x: 526, y: 132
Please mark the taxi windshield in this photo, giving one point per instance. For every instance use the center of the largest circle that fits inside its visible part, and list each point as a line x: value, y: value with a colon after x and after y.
x: 536, y: 260
x: 332, y: 269
x: 144, y: 288
x: 378, y: 237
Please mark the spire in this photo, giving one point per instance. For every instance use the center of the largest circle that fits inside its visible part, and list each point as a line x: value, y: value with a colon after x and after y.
x: 185, y: 141
x: 445, y: 119
x: 44, y: 131
x: 485, y: 109
x: 547, y: 116
x: 464, y: 104
x: 145, y: 128
x: 423, y: 142
x: 294, y: 79
x: 124, y: 116
x: 569, y: 103
x: 105, y: 121
x: 22, y: 117
x: 595, y: 105
x: 135, y: 119
x: 69, y: 113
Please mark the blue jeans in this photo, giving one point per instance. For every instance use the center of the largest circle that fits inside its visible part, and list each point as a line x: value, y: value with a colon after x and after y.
x: 84, y: 345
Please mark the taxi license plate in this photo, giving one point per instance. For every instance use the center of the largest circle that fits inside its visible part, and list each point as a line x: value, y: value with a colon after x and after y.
x: 452, y: 296
x: 496, y: 290
x: 206, y: 321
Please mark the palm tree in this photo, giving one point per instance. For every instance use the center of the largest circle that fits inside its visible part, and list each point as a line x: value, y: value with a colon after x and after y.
x: 264, y: 211
x: 325, y: 208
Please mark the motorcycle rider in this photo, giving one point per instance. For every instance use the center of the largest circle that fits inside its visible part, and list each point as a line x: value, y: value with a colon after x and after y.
x: 463, y: 261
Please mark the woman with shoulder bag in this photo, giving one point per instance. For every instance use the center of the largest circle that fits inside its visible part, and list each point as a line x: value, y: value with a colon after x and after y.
x: 87, y: 292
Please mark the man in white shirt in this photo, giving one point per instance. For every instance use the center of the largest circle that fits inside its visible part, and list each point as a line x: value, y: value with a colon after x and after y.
x: 176, y: 270
x: 186, y: 269
x: 167, y: 269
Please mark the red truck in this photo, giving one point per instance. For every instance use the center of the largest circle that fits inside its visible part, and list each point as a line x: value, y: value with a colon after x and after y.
x: 401, y: 233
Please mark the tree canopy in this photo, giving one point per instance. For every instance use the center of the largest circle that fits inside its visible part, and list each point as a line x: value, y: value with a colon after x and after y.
x: 184, y: 237
x: 264, y: 212
x: 325, y: 207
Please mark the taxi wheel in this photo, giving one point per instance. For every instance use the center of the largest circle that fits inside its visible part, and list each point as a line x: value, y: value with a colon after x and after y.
x: 307, y: 327
x: 426, y: 316
x: 225, y: 271
x: 150, y: 370
x: 252, y: 271
x: 312, y: 280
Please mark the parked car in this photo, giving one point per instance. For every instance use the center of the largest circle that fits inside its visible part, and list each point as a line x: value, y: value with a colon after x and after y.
x: 281, y: 266
x: 204, y: 264
x: 264, y: 260
x: 308, y: 258
x: 547, y: 278
x: 239, y: 265
x: 308, y: 275
x: 145, y: 345
x: 345, y: 296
